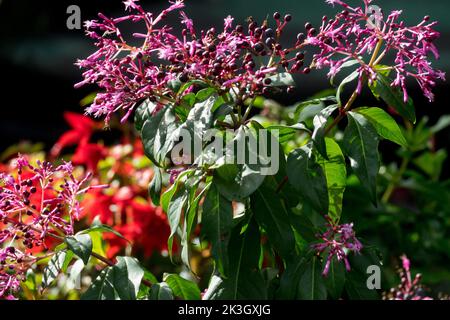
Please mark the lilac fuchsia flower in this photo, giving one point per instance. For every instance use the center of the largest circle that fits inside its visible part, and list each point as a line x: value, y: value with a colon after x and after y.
x: 227, y: 60
x: 408, y: 289
x: 337, y: 241
x: 359, y: 32
x: 36, y: 202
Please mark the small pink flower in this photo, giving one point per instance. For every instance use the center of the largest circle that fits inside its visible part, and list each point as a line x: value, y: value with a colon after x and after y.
x: 337, y: 241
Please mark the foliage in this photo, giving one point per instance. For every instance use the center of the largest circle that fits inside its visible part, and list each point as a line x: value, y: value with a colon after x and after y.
x: 299, y: 204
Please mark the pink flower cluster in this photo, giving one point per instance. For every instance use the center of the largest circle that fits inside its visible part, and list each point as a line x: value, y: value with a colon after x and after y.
x: 409, y: 289
x: 229, y: 59
x: 337, y: 241
x: 358, y: 32
x: 37, y: 204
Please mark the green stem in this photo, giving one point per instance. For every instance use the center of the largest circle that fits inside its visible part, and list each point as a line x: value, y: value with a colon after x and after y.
x: 373, y: 61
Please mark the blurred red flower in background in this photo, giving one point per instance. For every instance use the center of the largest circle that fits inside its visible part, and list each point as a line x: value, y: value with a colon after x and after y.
x: 127, y: 209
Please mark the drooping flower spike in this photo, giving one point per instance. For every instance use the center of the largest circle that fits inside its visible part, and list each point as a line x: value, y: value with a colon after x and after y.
x: 227, y: 59
x: 337, y: 241
x: 36, y: 203
x: 365, y: 31
x: 409, y: 288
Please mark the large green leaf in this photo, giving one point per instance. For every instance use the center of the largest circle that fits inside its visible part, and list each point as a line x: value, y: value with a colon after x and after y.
x: 244, y: 281
x: 271, y: 214
x: 320, y: 122
x: 155, y: 187
x: 336, y: 174
x: 176, y: 205
x: 335, y: 280
x: 312, y: 286
x: 290, y: 279
x: 118, y: 282
x: 361, y: 146
x: 356, y: 287
x: 157, y: 135
x: 81, y: 245
x: 143, y: 112
x: 308, y: 177
x: 217, y: 221
x: 181, y: 287
x: 384, y: 124
x: 160, y: 291
x: 238, y: 178
x: 393, y: 97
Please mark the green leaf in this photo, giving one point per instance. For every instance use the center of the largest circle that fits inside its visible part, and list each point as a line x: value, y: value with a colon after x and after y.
x: 189, y: 99
x: 393, y: 97
x: 143, y: 112
x: 129, y: 275
x: 103, y: 287
x: 190, y: 220
x: 222, y: 110
x: 155, y: 187
x: 335, y: 280
x: 346, y: 64
x: 190, y: 83
x: 237, y: 182
x: 312, y: 286
x: 288, y: 133
x: 361, y: 146
x: 102, y: 228
x: 336, y: 174
x: 118, y: 282
x: 320, y: 121
x: 157, y: 135
x: 81, y: 245
x: 309, y: 111
x: 308, y: 177
x: 217, y: 221
x: 204, y: 94
x: 53, y: 268
x: 356, y: 287
x: 271, y: 214
x: 244, y: 282
x: 290, y: 279
x: 351, y: 77
x: 431, y: 163
x: 384, y: 124
x: 160, y: 291
x: 282, y: 79
x: 182, y: 288
x: 442, y: 123
x: 175, y: 210
x: 200, y: 117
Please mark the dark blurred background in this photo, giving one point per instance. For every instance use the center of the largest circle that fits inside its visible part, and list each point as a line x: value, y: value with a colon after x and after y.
x: 38, y: 51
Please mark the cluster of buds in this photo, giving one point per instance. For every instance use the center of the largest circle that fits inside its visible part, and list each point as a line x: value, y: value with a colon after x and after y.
x: 337, y: 241
x: 359, y: 32
x: 238, y: 59
x: 36, y: 203
x: 408, y: 289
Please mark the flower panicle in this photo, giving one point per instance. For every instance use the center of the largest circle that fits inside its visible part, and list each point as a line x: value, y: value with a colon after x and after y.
x: 409, y: 288
x: 228, y: 60
x: 365, y: 31
x: 337, y: 241
x: 36, y: 203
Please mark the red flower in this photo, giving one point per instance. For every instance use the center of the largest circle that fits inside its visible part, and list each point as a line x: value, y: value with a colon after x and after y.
x: 89, y: 154
x: 82, y: 128
x: 144, y: 225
